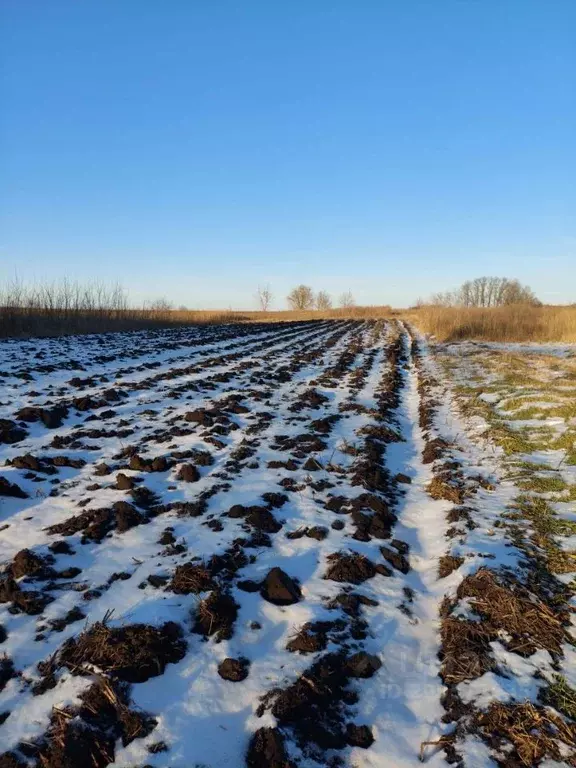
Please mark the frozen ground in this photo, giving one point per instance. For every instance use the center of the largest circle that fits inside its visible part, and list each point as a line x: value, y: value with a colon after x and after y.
x: 268, y: 546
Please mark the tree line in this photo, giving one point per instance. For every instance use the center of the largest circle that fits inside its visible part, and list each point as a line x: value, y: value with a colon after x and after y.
x: 487, y: 292
x: 303, y: 297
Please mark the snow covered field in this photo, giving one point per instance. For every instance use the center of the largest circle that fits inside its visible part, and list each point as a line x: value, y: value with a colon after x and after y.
x: 297, y: 544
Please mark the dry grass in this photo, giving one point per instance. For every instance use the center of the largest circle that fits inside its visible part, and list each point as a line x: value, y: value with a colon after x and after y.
x: 533, y: 733
x: 511, y: 323
x: 19, y: 322
x: 70, y: 308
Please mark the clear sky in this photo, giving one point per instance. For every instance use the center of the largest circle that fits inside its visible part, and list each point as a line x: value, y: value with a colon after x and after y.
x: 196, y: 148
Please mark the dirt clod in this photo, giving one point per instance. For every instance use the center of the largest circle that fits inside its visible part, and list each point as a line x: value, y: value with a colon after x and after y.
x: 234, y: 670
x: 349, y: 567
x: 133, y: 653
x: 278, y: 588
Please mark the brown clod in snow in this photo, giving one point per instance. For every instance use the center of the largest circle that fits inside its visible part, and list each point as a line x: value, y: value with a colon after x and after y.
x: 266, y: 750
x: 433, y: 450
x: 216, y: 615
x: 199, y: 416
x: 314, y: 706
x: 311, y: 465
x: 126, y: 516
x: 349, y: 567
x: 7, y: 671
x: 440, y: 488
x: 234, y: 670
x: 359, y: 736
x: 447, y: 564
x: 191, y: 578
x: 363, y: 664
x: 313, y: 636
x: 71, y: 744
x: 262, y: 519
x: 188, y: 473
x: 278, y: 588
x: 10, y: 433
x: 396, y: 560
x: 11, y: 490
x: 28, y: 563
x: 124, y: 482
x: 133, y: 653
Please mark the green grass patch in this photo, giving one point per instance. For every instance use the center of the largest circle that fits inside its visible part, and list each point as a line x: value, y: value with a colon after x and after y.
x: 539, y: 484
x: 560, y: 696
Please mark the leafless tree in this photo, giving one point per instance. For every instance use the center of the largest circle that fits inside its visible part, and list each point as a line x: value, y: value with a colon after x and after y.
x: 323, y: 300
x: 264, y: 296
x: 346, y: 300
x: 301, y: 297
x: 487, y: 292
x: 159, y: 306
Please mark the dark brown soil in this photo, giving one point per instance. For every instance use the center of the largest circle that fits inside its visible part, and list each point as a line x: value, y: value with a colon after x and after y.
x: 359, y: 736
x: 191, y: 578
x: 266, y: 750
x: 447, y: 564
x: 124, y: 483
x: 396, y: 560
x: 234, y: 670
x: 71, y: 744
x: 278, y: 588
x: 126, y: 516
x: 25, y: 601
x: 10, y: 433
x: 133, y: 653
x: 216, y: 615
x: 349, y: 567
x: 434, y: 450
x: 28, y: 563
x: 11, y: 490
x: 313, y: 636
x: 315, y: 706
x: 362, y: 664
x: 262, y: 519
x: 10, y: 760
x: 7, y: 671
x: 52, y: 418
x: 106, y: 706
x: 188, y: 473
x: 443, y: 488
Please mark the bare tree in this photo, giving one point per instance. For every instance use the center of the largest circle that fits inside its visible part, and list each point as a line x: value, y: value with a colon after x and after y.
x: 161, y: 305
x: 323, y: 300
x: 346, y: 300
x: 264, y: 296
x: 487, y: 292
x: 301, y: 297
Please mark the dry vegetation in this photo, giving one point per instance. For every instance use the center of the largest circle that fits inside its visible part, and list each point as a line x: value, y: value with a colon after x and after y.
x: 70, y: 308
x: 508, y: 323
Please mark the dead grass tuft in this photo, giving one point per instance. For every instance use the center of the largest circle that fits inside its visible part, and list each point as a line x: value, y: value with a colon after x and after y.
x: 527, y: 734
x: 133, y: 653
x: 512, y: 609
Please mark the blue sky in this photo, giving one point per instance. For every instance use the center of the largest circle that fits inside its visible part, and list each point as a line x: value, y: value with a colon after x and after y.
x: 194, y: 149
